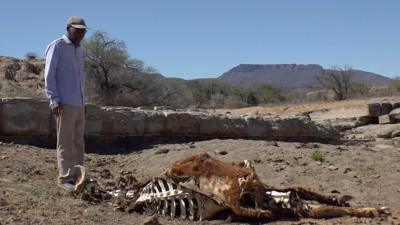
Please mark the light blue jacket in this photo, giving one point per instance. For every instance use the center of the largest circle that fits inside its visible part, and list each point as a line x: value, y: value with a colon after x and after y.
x: 64, y: 75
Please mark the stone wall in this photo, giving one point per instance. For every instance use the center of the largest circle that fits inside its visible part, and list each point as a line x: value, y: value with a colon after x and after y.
x: 24, y: 117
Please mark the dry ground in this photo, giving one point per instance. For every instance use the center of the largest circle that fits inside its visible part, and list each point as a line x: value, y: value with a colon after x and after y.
x: 369, y: 171
x: 29, y: 195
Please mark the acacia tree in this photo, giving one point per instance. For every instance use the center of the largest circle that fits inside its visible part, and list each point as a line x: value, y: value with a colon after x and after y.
x: 337, y: 79
x: 103, y: 58
x: 107, y: 65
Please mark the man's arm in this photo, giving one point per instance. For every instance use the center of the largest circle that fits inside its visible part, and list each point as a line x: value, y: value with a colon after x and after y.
x: 50, y: 78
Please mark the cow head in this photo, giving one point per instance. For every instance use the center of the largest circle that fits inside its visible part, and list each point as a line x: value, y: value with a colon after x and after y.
x: 252, y: 190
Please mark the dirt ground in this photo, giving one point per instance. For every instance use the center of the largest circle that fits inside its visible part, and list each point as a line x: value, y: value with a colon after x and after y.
x: 280, y: 109
x: 368, y: 171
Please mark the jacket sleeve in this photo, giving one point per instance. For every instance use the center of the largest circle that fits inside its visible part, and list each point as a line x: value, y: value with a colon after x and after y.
x: 50, y: 74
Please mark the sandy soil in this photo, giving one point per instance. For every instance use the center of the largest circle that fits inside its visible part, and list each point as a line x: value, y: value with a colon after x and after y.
x: 367, y: 171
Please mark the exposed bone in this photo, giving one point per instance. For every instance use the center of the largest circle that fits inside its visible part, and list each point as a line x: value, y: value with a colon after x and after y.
x: 279, y: 199
x: 182, y: 206
x: 161, y: 194
x: 165, y: 208
x: 173, y: 208
x: 81, y: 179
x: 191, y: 209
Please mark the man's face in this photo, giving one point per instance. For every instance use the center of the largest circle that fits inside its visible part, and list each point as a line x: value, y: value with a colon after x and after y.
x: 76, y: 35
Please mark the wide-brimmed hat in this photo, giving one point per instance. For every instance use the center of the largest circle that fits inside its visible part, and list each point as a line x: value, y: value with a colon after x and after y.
x: 76, y: 22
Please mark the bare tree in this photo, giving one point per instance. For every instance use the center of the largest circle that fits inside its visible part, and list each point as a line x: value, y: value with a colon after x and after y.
x: 104, y: 57
x: 337, y: 79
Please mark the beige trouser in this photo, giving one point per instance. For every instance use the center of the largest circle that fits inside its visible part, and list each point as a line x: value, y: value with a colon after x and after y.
x: 70, y: 142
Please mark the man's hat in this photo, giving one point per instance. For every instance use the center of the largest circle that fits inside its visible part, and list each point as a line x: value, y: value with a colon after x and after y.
x: 76, y: 22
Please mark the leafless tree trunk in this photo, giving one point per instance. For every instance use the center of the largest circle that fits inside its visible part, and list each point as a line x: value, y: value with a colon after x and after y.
x: 337, y: 79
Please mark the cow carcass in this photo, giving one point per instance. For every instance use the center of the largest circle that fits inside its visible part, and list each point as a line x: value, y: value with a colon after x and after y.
x: 201, y: 187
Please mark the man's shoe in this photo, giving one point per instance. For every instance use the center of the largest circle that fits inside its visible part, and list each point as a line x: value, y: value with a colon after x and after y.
x: 69, y: 186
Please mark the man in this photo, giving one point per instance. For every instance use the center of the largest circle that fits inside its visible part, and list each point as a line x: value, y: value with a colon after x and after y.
x: 65, y: 85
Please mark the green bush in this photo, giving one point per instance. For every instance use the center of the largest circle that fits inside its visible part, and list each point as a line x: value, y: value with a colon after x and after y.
x: 317, y: 155
x: 366, y: 168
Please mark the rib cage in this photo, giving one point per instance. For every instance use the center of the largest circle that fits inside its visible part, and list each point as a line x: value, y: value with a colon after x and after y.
x: 164, y: 196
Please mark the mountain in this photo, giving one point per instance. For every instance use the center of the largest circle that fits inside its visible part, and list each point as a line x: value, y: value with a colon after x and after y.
x: 294, y: 77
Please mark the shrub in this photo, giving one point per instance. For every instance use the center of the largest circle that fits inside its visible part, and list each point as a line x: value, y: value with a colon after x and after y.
x: 317, y: 155
x: 366, y: 168
x: 11, y: 70
x: 31, y: 56
x: 31, y: 68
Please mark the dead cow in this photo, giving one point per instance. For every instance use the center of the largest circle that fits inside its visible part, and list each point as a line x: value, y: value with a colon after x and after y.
x: 238, y: 188
x: 201, y: 187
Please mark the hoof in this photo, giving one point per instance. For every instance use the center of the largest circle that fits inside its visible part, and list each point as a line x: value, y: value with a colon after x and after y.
x: 343, y: 200
x: 384, y: 211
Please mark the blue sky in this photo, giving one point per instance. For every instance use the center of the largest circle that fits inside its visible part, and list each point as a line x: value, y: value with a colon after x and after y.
x: 193, y: 39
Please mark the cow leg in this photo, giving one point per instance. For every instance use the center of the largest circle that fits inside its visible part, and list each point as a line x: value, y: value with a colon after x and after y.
x: 321, y: 211
x: 252, y: 213
x: 323, y: 199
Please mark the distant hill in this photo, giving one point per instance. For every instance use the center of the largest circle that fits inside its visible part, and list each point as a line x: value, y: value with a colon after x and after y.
x: 291, y: 76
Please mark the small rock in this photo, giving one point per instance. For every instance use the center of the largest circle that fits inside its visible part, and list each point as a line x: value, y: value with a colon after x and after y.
x: 37, y: 172
x: 276, y: 144
x: 332, y: 168
x: 257, y: 160
x: 307, y: 145
x: 161, y: 151
x: 342, y: 148
x: 319, y: 163
x: 220, y: 152
x: 152, y: 221
x: 279, y: 160
x: 106, y: 173
x: 396, y: 133
x: 346, y: 170
x: 335, y: 192
x: 126, y: 172
x: 383, y: 146
x: 376, y: 176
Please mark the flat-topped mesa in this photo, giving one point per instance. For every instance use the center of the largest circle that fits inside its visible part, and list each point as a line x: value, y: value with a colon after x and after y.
x: 246, y: 68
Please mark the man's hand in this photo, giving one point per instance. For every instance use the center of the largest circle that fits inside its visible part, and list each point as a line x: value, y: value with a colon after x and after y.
x: 57, y: 110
